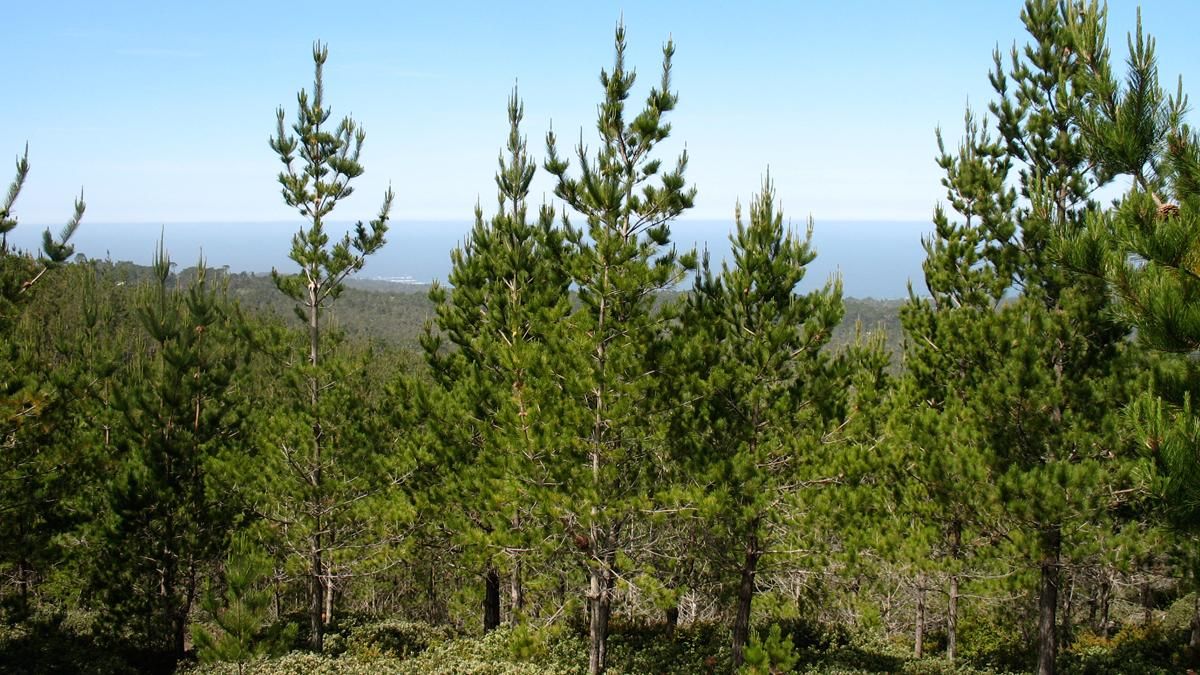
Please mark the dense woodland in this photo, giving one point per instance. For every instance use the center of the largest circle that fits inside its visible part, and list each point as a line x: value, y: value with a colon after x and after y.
x: 591, y: 451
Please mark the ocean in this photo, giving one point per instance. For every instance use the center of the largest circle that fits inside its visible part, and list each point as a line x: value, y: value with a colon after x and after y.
x: 875, y: 259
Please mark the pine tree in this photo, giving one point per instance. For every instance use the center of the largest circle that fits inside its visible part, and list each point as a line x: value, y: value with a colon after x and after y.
x: 1135, y: 130
x: 179, y: 406
x: 509, y: 294
x: 64, y: 347
x: 41, y: 399
x: 765, y: 394
x: 1145, y: 249
x: 620, y: 260
x: 1052, y: 355
x: 940, y: 460
x: 241, y: 613
x: 320, y: 162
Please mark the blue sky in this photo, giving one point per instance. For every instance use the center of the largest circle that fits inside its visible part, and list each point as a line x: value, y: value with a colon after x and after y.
x: 161, y: 110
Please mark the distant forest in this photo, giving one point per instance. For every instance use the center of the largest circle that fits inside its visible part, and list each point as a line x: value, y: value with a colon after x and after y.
x: 590, y: 451
x: 396, y: 314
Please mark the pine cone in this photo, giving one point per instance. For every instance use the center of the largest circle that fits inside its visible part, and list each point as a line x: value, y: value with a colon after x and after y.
x: 1167, y: 210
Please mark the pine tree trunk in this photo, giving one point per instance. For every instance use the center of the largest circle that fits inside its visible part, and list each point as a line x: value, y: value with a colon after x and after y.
x: 316, y: 596
x: 1048, y: 600
x: 317, y: 588
x: 168, y: 619
x: 516, y: 593
x: 741, y: 619
x: 599, y: 606
x: 491, y: 599
x: 25, y: 576
x: 952, y: 620
x: 1103, y: 601
x: 327, y: 615
x: 1093, y: 605
x: 178, y: 630
x: 919, y: 631
x: 1106, y: 609
x: 952, y: 603
x: 1194, y: 638
x: 182, y: 611
x: 1147, y: 602
x: 1068, y: 627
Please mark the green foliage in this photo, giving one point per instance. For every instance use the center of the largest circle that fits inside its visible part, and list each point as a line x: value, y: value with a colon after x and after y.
x: 1018, y: 368
x: 343, y: 500
x: 412, y: 648
x: 1145, y: 248
x: 503, y: 315
x: 579, y: 433
x: 1134, y: 650
x: 395, y: 639
x: 387, y: 313
x: 60, y: 355
x: 697, y: 648
x: 56, y: 643
x: 162, y: 519
x: 619, y: 260
x: 241, y: 613
x: 329, y: 461
x: 769, y: 655
x: 990, y: 641
x: 20, y: 272
x: 519, y: 649
x: 43, y: 461
x: 313, y: 184
x: 634, y: 650
x: 766, y: 397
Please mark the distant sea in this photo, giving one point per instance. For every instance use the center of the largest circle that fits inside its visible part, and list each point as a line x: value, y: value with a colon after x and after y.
x: 875, y: 259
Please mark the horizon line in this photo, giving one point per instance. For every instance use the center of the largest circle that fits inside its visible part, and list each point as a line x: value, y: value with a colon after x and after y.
x: 457, y: 221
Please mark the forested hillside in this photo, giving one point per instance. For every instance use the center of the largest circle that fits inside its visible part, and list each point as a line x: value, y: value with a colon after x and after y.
x: 589, y: 451
x: 396, y: 314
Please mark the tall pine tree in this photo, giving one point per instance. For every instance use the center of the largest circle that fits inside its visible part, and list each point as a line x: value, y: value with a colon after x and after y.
x: 765, y: 395
x: 1146, y: 248
x: 42, y: 400
x: 1054, y: 358
x: 945, y: 489
x: 621, y: 259
x: 509, y: 294
x: 320, y: 162
x: 179, y: 406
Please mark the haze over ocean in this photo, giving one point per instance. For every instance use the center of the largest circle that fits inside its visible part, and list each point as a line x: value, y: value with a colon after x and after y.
x: 876, y: 258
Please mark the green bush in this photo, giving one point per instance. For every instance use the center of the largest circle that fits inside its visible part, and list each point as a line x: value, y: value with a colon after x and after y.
x: 812, y: 636
x: 698, y: 648
x: 397, y: 639
x: 60, y: 643
x: 300, y: 663
x: 1135, y: 649
x: 1179, y: 615
x: 770, y: 655
x: 986, y: 643
x: 523, y: 650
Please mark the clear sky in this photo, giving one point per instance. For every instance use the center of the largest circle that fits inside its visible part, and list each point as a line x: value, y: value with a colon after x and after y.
x: 161, y: 110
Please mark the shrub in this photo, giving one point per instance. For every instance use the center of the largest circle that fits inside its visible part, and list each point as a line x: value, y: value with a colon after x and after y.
x: 771, y: 655
x: 1135, y: 649
x: 698, y: 648
x: 60, y: 643
x: 397, y: 639
x: 525, y: 650
x: 986, y: 643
